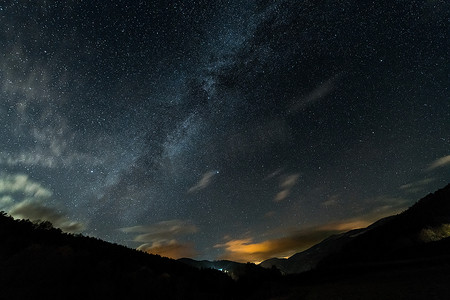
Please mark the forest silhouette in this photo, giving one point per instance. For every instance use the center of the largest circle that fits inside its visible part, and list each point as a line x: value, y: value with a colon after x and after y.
x: 406, y: 256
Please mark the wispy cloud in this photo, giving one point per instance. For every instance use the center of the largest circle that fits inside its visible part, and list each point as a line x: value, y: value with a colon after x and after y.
x: 24, y: 198
x: 161, y: 238
x: 287, y: 183
x: 382, y: 206
x: 416, y: 186
x: 27, y: 159
x: 331, y: 201
x: 438, y: 163
x: 203, y: 182
x: 165, y: 230
x: 320, y: 92
x: 247, y: 250
x: 36, y: 90
x: 49, y: 155
x: 273, y: 174
x: 5, y: 201
x: 172, y: 249
x: 281, y: 195
x: 21, y: 183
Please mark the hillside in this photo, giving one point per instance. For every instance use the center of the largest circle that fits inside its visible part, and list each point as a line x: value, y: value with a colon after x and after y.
x: 238, y: 271
x: 37, y: 260
x: 307, y: 260
x: 413, y: 234
x: 406, y: 256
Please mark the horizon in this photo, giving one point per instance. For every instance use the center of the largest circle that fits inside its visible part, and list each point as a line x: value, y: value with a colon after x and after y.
x: 238, y: 130
x: 259, y: 262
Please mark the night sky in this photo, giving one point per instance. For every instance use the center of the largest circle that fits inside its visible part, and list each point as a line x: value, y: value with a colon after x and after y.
x: 224, y: 129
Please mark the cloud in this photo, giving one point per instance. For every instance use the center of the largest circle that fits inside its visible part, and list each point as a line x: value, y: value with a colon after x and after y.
x: 385, y: 205
x: 21, y: 183
x: 50, y: 154
x: 290, y: 181
x: 172, y: 249
x: 35, y: 211
x: 5, y: 201
x: 438, y: 163
x: 24, y: 198
x: 203, y: 182
x: 281, y: 195
x: 417, y: 185
x: 28, y: 159
x: 317, y: 94
x: 331, y: 201
x: 273, y: 174
x: 165, y: 230
x: 287, y: 183
x: 270, y: 214
x: 161, y: 238
x: 246, y: 250
x: 36, y: 88
x: 349, y: 224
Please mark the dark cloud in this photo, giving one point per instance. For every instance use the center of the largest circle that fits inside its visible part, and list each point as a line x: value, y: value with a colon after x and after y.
x: 38, y: 212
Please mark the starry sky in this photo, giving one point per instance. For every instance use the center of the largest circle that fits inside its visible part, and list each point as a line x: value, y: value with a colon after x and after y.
x: 221, y: 129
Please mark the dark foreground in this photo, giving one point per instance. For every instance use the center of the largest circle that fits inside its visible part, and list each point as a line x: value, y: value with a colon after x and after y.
x: 406, y: 257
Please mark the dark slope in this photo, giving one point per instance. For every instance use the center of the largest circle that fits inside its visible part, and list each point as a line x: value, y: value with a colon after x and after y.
x: 239, y: 271
x: 222, y: 265
x: 37, y: 260
x: 413, y: 234
x: 308, y: 259
x: 406, y: 256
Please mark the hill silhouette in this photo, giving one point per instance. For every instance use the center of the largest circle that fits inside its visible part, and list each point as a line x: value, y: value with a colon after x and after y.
x: 420, y: 231
x: 37, y: 260
x: 40, y: 261
x: 406, y: 256
x: 248, y: 272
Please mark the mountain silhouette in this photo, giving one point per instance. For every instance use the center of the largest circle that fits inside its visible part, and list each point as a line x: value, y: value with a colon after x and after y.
x: 419, y: 232
x: 39, y: 261
x: 235, y: 270
x: 405, y: 256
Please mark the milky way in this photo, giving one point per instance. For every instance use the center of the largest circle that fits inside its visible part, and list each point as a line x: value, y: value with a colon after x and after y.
x: 221, y: 129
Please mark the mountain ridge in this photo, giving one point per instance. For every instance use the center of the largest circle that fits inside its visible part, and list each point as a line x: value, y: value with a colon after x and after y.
x: 424, y: 221
x: 37, y: 260
x: 389, y: 256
